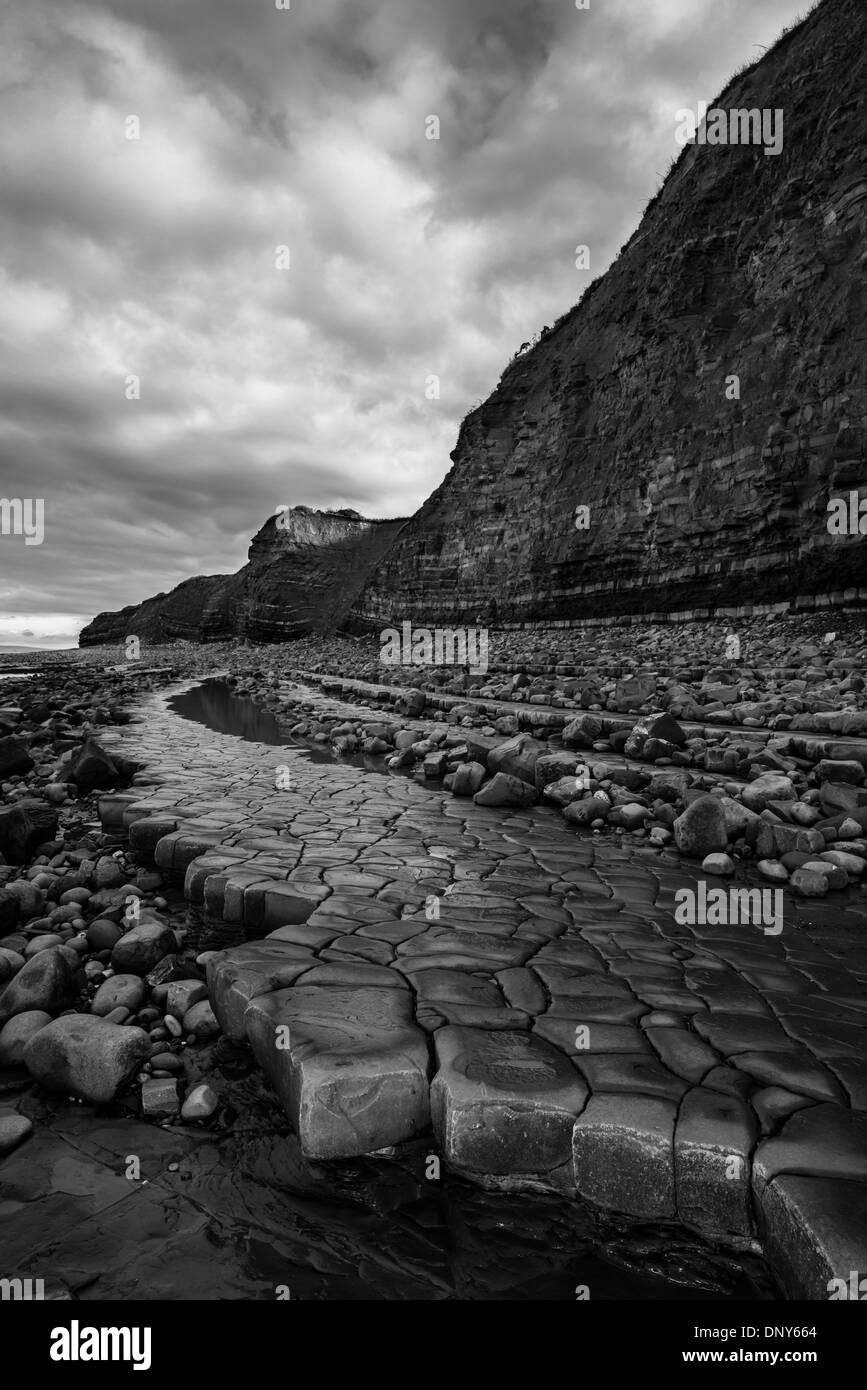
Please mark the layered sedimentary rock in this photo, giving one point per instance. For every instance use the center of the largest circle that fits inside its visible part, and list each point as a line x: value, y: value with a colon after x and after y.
x: 304, y: 570
x: 744, y: 265
x: 703, y: 402
x: 177, y: 614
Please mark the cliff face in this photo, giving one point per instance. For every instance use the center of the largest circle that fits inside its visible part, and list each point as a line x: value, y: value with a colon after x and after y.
x: 304, y: 571
x: 705, y: 401
x: 746, y: 265
x: 177, y: 614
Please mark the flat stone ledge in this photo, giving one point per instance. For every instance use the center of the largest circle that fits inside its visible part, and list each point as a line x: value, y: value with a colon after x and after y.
x: 713, y: 1143
x: 238, y: 976
x: 503, y: 1102
x: 349, y: 1065
x: 623, y: 1155
x: 815, y: 1232
x: 823, y: 1141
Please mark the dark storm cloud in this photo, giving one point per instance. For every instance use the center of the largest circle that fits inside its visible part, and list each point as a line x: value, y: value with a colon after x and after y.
x: 409, y: 257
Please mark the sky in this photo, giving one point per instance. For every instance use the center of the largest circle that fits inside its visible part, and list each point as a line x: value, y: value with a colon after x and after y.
x: 238, y: 272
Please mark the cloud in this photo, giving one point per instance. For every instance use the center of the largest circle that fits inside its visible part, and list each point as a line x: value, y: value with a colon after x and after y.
x: 157, y: 257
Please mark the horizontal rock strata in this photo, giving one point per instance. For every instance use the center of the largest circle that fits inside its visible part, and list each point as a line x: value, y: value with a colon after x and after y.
x: 743, y: 265
x: 304, y: 569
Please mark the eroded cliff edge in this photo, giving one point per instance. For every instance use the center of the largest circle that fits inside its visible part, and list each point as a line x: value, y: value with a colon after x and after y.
x: 304, y: 570
x: 744, y: 264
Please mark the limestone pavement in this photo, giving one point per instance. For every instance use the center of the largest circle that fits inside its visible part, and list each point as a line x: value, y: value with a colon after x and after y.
x: 423, y: 962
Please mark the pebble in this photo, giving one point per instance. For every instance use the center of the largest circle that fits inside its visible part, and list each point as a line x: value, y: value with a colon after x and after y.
x: 837, y: 877
x: 850, y: 862
x: 75, y: 895
x: 159, y: 1098
x: 201, y: 1021
x: 41, y: 943
x: 103, y: 934
x: 718, y: 864
x: 14, y: 959
x: 13, y: 1130
x: 809, y: 884
x: 16, y: 1034
x: 849, y: 830
x: 773, y: 870
x: 165, y: 1061
x: 199, y: 1104
x: 125, y: 991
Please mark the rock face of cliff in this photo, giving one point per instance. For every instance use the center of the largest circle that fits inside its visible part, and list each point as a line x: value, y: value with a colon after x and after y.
x: 305, y: 568
x: 704, y: 401
x: 703, y: 492
x: 162, y: 618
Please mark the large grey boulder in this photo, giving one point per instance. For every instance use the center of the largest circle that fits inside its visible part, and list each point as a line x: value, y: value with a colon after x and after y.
x: 701, y: 830
x: 583, y: 731
x: 46, y: 982
x: 518, y: 757
x: 85, y: 1056
x: 467, y: 779
x: 142, y: 948
x: 24, y: 826
x: 91, y: 767
x: 16, y: 1034
x: 15, y: 759
x: 119, y: 991
x: 503, y: 790
x: 771, y: 786
x: 552, y: 767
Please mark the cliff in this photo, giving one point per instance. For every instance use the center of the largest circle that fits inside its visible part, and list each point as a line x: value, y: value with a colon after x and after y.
x: 162, y: 618
x: 704, y: 402
x: 304, y: 570
x: 744, y: 265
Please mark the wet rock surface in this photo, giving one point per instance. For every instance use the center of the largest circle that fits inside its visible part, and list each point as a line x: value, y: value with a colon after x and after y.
x: 502, y: 941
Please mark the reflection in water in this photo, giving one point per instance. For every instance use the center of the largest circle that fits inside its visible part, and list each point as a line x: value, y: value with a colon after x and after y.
x: 215, y: 704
